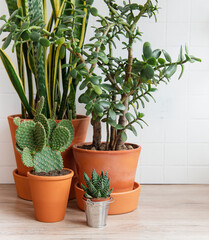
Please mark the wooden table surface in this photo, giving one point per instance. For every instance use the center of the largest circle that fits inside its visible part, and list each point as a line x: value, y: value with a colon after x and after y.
x: 165, y: 212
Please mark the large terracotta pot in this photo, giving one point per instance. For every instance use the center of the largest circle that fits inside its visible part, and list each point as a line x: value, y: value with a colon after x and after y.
x: 80, y: 127
x: 120, y: 165
x: 123, y: 202
x: 50, y: 196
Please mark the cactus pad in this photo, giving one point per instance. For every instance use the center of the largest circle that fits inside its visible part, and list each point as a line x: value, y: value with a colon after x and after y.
x: 24, y: 135
x: 43, y: 120
x: 52, y: 126
x: 60, y: 137
x: 68, y: 124
x: 39, y: 136
x: 16, y: 121
x: 27, y: 158
x: 41, y: 141
x: 47, y: 160
x: 39, y: 106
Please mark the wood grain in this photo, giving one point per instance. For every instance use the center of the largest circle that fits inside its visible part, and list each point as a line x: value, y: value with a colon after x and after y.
x: 165, y: 212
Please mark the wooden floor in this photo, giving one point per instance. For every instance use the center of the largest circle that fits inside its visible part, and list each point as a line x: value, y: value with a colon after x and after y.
x: 165, y: 212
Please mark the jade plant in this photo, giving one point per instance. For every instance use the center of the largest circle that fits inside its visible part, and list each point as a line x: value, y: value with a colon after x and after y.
x: 41, y: 50
x: 97, y: 186
x: 41, y: 140
x: 116, y: 88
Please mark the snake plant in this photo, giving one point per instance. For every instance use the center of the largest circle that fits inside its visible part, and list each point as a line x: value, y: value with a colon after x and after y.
x: 40, y: 42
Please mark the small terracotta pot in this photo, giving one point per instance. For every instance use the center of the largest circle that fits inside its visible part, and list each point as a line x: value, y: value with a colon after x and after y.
x: 50, y: 196
x: 124, y: 202
x: 22, y: 186
x: 120, y: 165
x: 80, y: 128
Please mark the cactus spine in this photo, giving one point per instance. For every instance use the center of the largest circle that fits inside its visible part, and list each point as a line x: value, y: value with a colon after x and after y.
x: 41, y: 141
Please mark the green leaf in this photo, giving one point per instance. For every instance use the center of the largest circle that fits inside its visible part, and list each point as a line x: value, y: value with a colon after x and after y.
x: 111, y: 122
x: 112, y: 114
x: 129, y: 116
x: 44, y: 42
x: 34, y: 36
x: 148, y: 72
x: 97, y: 89
x: 94, y: 11
x: 167, y: 56
x: 105, y: 104
x: 83, y: 84
x: 83, y: 99
x: 124, y: 136
x: 156, y: 53
x: 108, y: 87
x: 74, y: 73
x: 93, y: 61
x: 182, y: 71
x: 132, y: 128
x: 119, y: 127
x: 161, y: 61
x: 103, y: 57
x: 152, y: 61
x: 16, y: 81
x: 147, y: 51
x: 170, y: 70
x: 7, y: 41
x: 120, y: 106
x: 98, y: 107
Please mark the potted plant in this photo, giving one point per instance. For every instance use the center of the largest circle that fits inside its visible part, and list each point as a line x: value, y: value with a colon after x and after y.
x: 117, y: 98
x: 96, y: 198
x: 40, y: 47
x: 40, y: 143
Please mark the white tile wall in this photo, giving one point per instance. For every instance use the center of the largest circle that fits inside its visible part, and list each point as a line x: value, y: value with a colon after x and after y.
x: 175, y: 146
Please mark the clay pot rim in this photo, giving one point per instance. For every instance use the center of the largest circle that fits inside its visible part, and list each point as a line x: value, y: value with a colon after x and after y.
x: 136, y: 188
x: 51, y: 178
x: 75, y: 147
x: 15, y: 172
x: 79, y: 117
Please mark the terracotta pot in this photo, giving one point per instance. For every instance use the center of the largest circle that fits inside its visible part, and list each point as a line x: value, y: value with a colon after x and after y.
x: 120, y: 165
x: 22, y: 186
x: 124, y: 202
x: 80, y: 127
x: 50, y: 196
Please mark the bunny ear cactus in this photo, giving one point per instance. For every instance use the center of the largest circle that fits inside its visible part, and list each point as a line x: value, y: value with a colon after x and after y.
x: 97, y: 186
x: 41, y: 141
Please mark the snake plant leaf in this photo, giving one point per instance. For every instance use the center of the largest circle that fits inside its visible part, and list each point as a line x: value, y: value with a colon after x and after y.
x: 12, y: 5
x: 15, y: 80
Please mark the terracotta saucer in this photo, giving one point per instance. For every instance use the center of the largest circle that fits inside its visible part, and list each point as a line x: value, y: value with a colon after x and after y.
x: 22, y: 186
x: 124, y: 202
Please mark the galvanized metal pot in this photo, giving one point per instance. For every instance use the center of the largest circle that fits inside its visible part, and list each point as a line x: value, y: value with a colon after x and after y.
x: 96, y: 212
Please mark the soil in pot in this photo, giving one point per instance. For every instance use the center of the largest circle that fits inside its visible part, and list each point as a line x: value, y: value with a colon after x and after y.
x: 120, y: 165
x: 52, y: 173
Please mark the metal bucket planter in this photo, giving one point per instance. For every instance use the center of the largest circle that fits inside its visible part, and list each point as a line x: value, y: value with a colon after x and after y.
x: 96, y: 212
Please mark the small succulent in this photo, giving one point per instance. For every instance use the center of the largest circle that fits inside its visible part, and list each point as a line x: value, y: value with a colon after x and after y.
x: 97, y: 186
x: 41, y: 141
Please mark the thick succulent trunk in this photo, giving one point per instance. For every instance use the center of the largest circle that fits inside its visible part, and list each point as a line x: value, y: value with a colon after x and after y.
x: 96, y: 134
x: 122, y: 119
